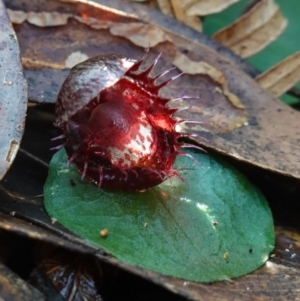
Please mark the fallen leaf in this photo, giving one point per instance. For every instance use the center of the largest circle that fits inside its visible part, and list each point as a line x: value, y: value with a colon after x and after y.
x: 76, y: 277
x: 188, y: 66
x: 15, y: 288
x: 177, y: 7
x: 144, y: 35
x: 47, y: 19
x: 227, y: 120
x: 214, y: 199
x: 41, y: 19
x: 281, y: 77
x: 92, y: 22
x: 204, y: 7
x: 259, y: 139
x: 31, y: 63
x: 13, y: 94
x: 263, y: 284
x: 179, y: 10
x: 16, y: 225
x: 188, y: 11
x: 288, y: 242
x: 166, y: 7
x: 42, y: 76
x: 17, y: 16
x: 255, y: 29
x: 121, y: 12
x: 75, y: 58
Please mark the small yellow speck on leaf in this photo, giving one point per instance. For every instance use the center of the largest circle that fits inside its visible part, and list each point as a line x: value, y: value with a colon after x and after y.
x: 103, y: 233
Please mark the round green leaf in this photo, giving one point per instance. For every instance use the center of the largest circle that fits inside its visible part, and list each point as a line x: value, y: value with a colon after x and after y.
x: 214, y: 226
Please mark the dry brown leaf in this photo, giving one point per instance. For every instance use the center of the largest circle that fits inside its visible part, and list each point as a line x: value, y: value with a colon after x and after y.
x: 260, y: 143
x: 178, y: 11
x: 188, y: 66
x: 219, y: 118
x: 15, y: 288
x: 254, y: 30
x: 41, y: 19
x: 75, y: 276
x: 75, y: 58
x: 13, y: 94
x: 140, y: 34
x: 193, y: 21
x: 178, y: 8
x: 30, y: 63
x: 166, y: 7
x: 149, y: 3
x: 47, y: 19
x: 44, y: 19
x: 93, y: 22
x: 204, y: 7
x: 249, y: 139
x: 281, y: 77
x: 16, y: 16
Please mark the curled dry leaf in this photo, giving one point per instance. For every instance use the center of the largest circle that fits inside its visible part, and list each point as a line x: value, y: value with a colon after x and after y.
x: 281, y: 77
x: 46, y: 19
x: 178, y: 7
x: 17, y: 17
x: 76, y: 277
x: 132, y: 13
x: 188, y: 66
x: 141, y: 34
x: 204, y: 7
x: 166, y: 7
x: 41, y: 19
x: 187, y: 11
x: 254, y: 30
x: 144, y: 35
x: 221, y: 122
x: 13, y: 94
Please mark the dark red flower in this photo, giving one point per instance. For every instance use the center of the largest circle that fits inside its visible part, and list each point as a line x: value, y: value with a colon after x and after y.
x: 119, y: 131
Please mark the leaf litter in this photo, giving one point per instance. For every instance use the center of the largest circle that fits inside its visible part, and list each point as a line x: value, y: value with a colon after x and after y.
x: 254, y: 30
x: 218, y: 288
x: 283, y: 76
x: 227, y: 128
x: 13, y: 94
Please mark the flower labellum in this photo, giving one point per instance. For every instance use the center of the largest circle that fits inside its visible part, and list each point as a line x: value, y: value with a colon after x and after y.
x: 118, y: 130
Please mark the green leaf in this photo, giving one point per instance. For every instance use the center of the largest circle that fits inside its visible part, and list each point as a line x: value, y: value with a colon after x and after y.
x: 214, y: 226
